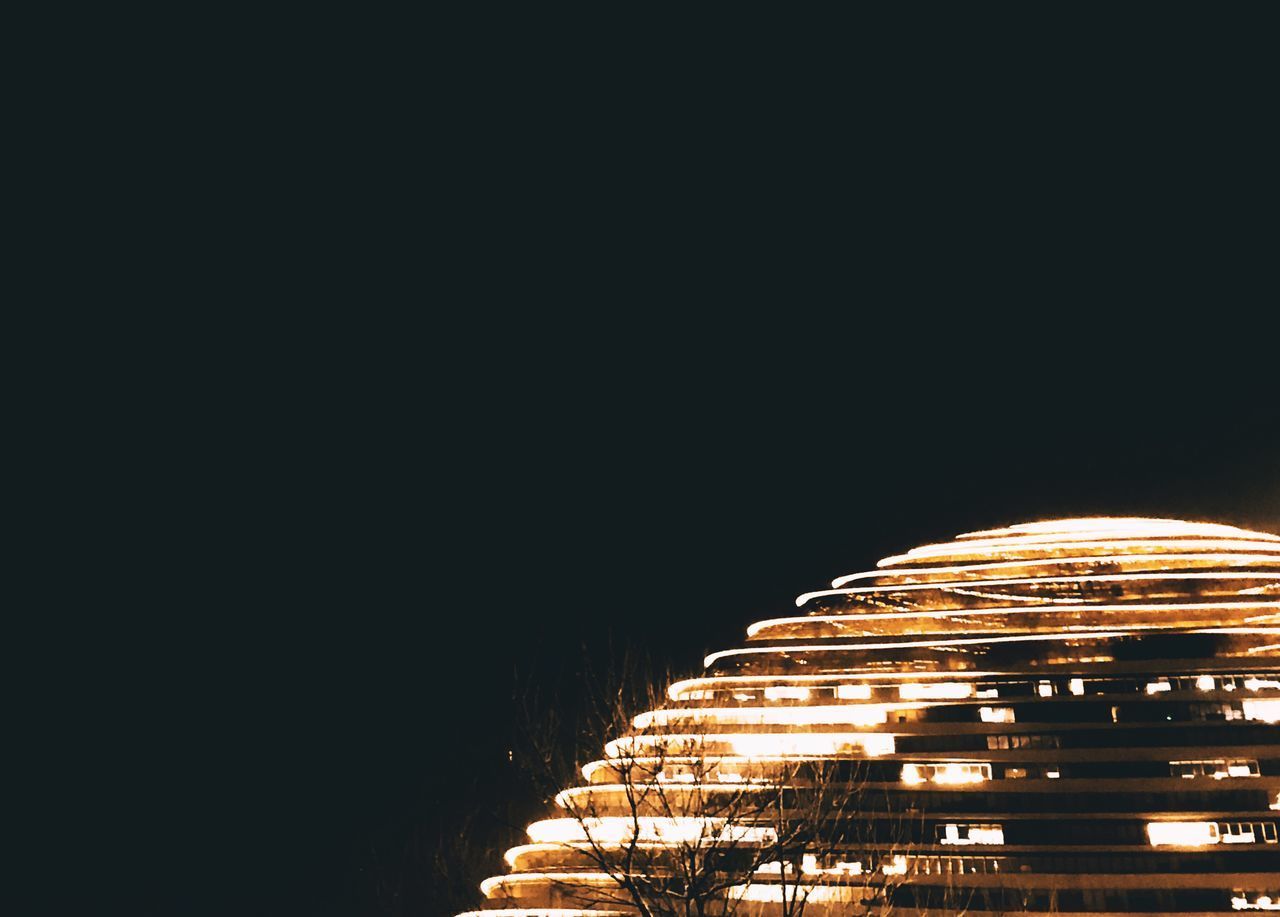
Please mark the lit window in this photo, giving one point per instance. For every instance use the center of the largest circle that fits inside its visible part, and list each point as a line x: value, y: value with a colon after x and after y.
x: 1182, y: 833
x: 1076, y: 685
x: 1205, y: 682
x: 947, y: 690
x: 1217, y: 768
x: 1251, y: 900
x: 1237, y: 833
x: 1268, y: 711
x: 961, y: 835
x: 948, y: 774
x: 1155, y: 687
x: 786, y: 693
x: 896, y: 867
x: 996, y: 714
x: 1045, y: 689
x: 853, y: 692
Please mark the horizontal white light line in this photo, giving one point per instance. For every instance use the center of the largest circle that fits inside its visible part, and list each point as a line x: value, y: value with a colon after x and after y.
x: 523, y: 878
x: 1025, y: 638
x: 759, y: 745
x: 1222, y: 559
x: 659, y: 788
x: 959, y: 585
x: 833, y: 679
x: 1090, y: 539
x: 1019, y: 539
x: 655, y: 828
x: 1115, y: 523
x: 712, y: 763
x: 514, y: 853
x: 1211, y: 547
x: 1058, y: 608
x: 835, y: 714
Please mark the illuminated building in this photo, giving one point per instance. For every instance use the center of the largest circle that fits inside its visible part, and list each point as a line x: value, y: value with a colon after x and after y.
x: 1076, y: 716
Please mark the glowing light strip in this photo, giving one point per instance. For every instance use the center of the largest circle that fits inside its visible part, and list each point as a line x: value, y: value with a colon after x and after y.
x: 660, y: 828
x: 759, y: 745
x: 731, y: 763
x: 1101, y: 523
x: 1221, y: 533
x: 1075, y: 606
x: 1225, y: 560
x: 769, y: 892
x: 836, y: 715
x: 820, y: 648
x: 1027, y: 638
x: 1040, y: 542
x: 1214, y: 547
x: 564, y: 797
x: 514, y: 853
x: 524, y: 878
x: 829, y: 680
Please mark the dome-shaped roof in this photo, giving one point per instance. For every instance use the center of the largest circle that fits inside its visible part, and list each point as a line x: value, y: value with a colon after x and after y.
x: 998, y: 709
x: 1122, y: 574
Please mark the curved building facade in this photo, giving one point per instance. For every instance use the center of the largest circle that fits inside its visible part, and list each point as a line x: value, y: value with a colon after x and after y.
x: 1078, y: 716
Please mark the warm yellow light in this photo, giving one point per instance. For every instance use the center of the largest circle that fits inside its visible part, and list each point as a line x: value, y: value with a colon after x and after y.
x: 1268, y: 711
x: 524, y: 878
x: 950, y: 773
x: 1109, y: 544
x: 841, y: 714
x: 1144, y: 524
x: 965, y: 835
x: 1224, y: 560
x: 897, y: 867
x: 1036, y: 605
x: 667, y: 830
x: 1240, y: 901
x: 1182, y: 833
x: 860, y: 690
x: 762, y: 746
x: 908, y: 644
x: 768, y: 892
x: 567, y: 799
x: 946, y: 690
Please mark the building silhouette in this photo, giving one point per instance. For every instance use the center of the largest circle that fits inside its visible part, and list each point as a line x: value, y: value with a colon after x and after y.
x: 1075, y: 716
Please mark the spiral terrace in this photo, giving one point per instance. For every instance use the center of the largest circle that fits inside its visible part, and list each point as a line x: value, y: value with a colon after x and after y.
x: 1075, y: 716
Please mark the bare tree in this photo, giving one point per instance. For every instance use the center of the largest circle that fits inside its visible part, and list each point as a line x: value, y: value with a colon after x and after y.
x: 673, y: 823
